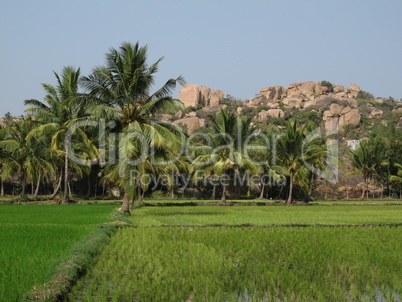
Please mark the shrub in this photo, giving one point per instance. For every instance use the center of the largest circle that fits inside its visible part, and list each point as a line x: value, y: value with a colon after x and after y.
x: 329, y: 85
x: 365, y: 95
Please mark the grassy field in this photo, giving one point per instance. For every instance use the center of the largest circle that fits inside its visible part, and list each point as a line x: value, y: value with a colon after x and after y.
x: 247, y: 264
x: 35, y: 239
x: 266, y: 215
x: 210, y: 253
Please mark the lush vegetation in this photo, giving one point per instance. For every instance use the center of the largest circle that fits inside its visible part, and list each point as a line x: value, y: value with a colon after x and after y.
x: 99, y: 134
x: 35, y: 239
x: 247, y: 264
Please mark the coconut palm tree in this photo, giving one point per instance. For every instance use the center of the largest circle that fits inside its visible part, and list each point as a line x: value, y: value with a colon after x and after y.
x: 27, y: 157
x: 397, y: 178
x: 364, y: 163
x: 227, y: 154
x: 296, y: 151
x: 120, y: 91
x: 63, y: 107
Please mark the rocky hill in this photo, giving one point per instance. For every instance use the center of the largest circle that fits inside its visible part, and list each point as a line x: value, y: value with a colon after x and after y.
x: 335, y: 105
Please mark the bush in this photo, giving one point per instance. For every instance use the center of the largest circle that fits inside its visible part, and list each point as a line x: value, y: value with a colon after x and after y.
x: 364, y: 95
x: 329, y: 85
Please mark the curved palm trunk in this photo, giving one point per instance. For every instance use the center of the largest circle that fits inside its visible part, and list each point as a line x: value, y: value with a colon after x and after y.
x: 262, y: 190
x: 289, y: 201
x: 2, y: 187
x: 37, y: 187
x: 125, y: 206
x: 57, y: 188
x: 66, y: 196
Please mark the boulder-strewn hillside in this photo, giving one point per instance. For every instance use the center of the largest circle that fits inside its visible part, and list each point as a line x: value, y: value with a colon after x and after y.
x: 337, y: 107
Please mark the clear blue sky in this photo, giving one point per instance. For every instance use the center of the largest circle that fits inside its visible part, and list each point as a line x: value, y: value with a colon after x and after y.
x: 237, y: 46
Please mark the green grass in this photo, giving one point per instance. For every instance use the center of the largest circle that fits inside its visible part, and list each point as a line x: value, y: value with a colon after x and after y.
x: 36, y: 238
x: 247, y: 264
x: 266, y: 215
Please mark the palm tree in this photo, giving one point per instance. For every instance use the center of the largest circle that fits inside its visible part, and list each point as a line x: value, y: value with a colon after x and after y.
x: 295, y: 150
x: 227, y: 154
x: 397, y: 178
x: 63, y: 107
x: 120, y: 91
x: 364, y: 163
x: 27, y: 157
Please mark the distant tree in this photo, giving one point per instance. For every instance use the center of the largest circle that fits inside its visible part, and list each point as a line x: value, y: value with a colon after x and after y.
x: 364, y: 95
x: 398, y: 178
x: 329, y: 85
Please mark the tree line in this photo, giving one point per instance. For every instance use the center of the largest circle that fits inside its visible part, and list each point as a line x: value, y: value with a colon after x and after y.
x: 102, y: 131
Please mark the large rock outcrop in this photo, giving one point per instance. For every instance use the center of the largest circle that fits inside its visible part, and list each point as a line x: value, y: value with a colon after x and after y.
x: 273, y: 94
x: 263, y: 115
x: 191, y: 122
x: 194, y: 95
x: 337, y: 117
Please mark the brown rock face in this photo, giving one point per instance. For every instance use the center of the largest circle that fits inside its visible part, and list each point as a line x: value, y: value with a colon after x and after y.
x: 204, y: 94
x: 353, y: 117
x: 354, y: 90
x: 263, y: 115
x: 216, y: 96
x: 305, y: 88
x: 192, y: 123
x: 399, y: 125
x: 338, y: 117
x: 293, y: 101
x: 377, y: 113
x: 274, y: 93
x: 194, y: 95
x: 335, y: 109
x: 189, y: 95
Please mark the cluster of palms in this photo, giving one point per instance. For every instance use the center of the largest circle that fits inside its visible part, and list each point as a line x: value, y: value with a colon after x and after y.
x: 57, y: 142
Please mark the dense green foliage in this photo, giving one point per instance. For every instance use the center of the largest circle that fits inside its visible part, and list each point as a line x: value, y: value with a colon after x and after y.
x: 247, y: 264
x: 35, y: 239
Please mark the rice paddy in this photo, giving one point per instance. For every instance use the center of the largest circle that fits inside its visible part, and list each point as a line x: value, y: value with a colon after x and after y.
x: 36, y: 238
x: 210, y: 253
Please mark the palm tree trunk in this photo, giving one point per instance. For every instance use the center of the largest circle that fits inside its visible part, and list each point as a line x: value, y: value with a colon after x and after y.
x: 32, y: 188
x: 23, y: 185
x: 213, y: 196
x: 364, y: 187
x: 289, y: 201
x: 262, y: 190
x: 57, y: 188
x: 2, y: 187
x: 367, y: 189
x: 89, y: 186
x: 66, y: 196
x: 172, y: 196
x: 37, y: 187
x: 125, y: 206
x: 139, y: 194
x: 223, y: 199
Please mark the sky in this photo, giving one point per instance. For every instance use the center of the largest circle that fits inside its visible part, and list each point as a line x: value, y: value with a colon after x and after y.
x: 232, y: 45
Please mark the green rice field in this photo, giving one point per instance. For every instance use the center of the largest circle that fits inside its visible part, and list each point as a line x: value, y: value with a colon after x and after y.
x: 209, y: 253
x: 247, y: 264
x: 36, y: 238
x: 266, y: 215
